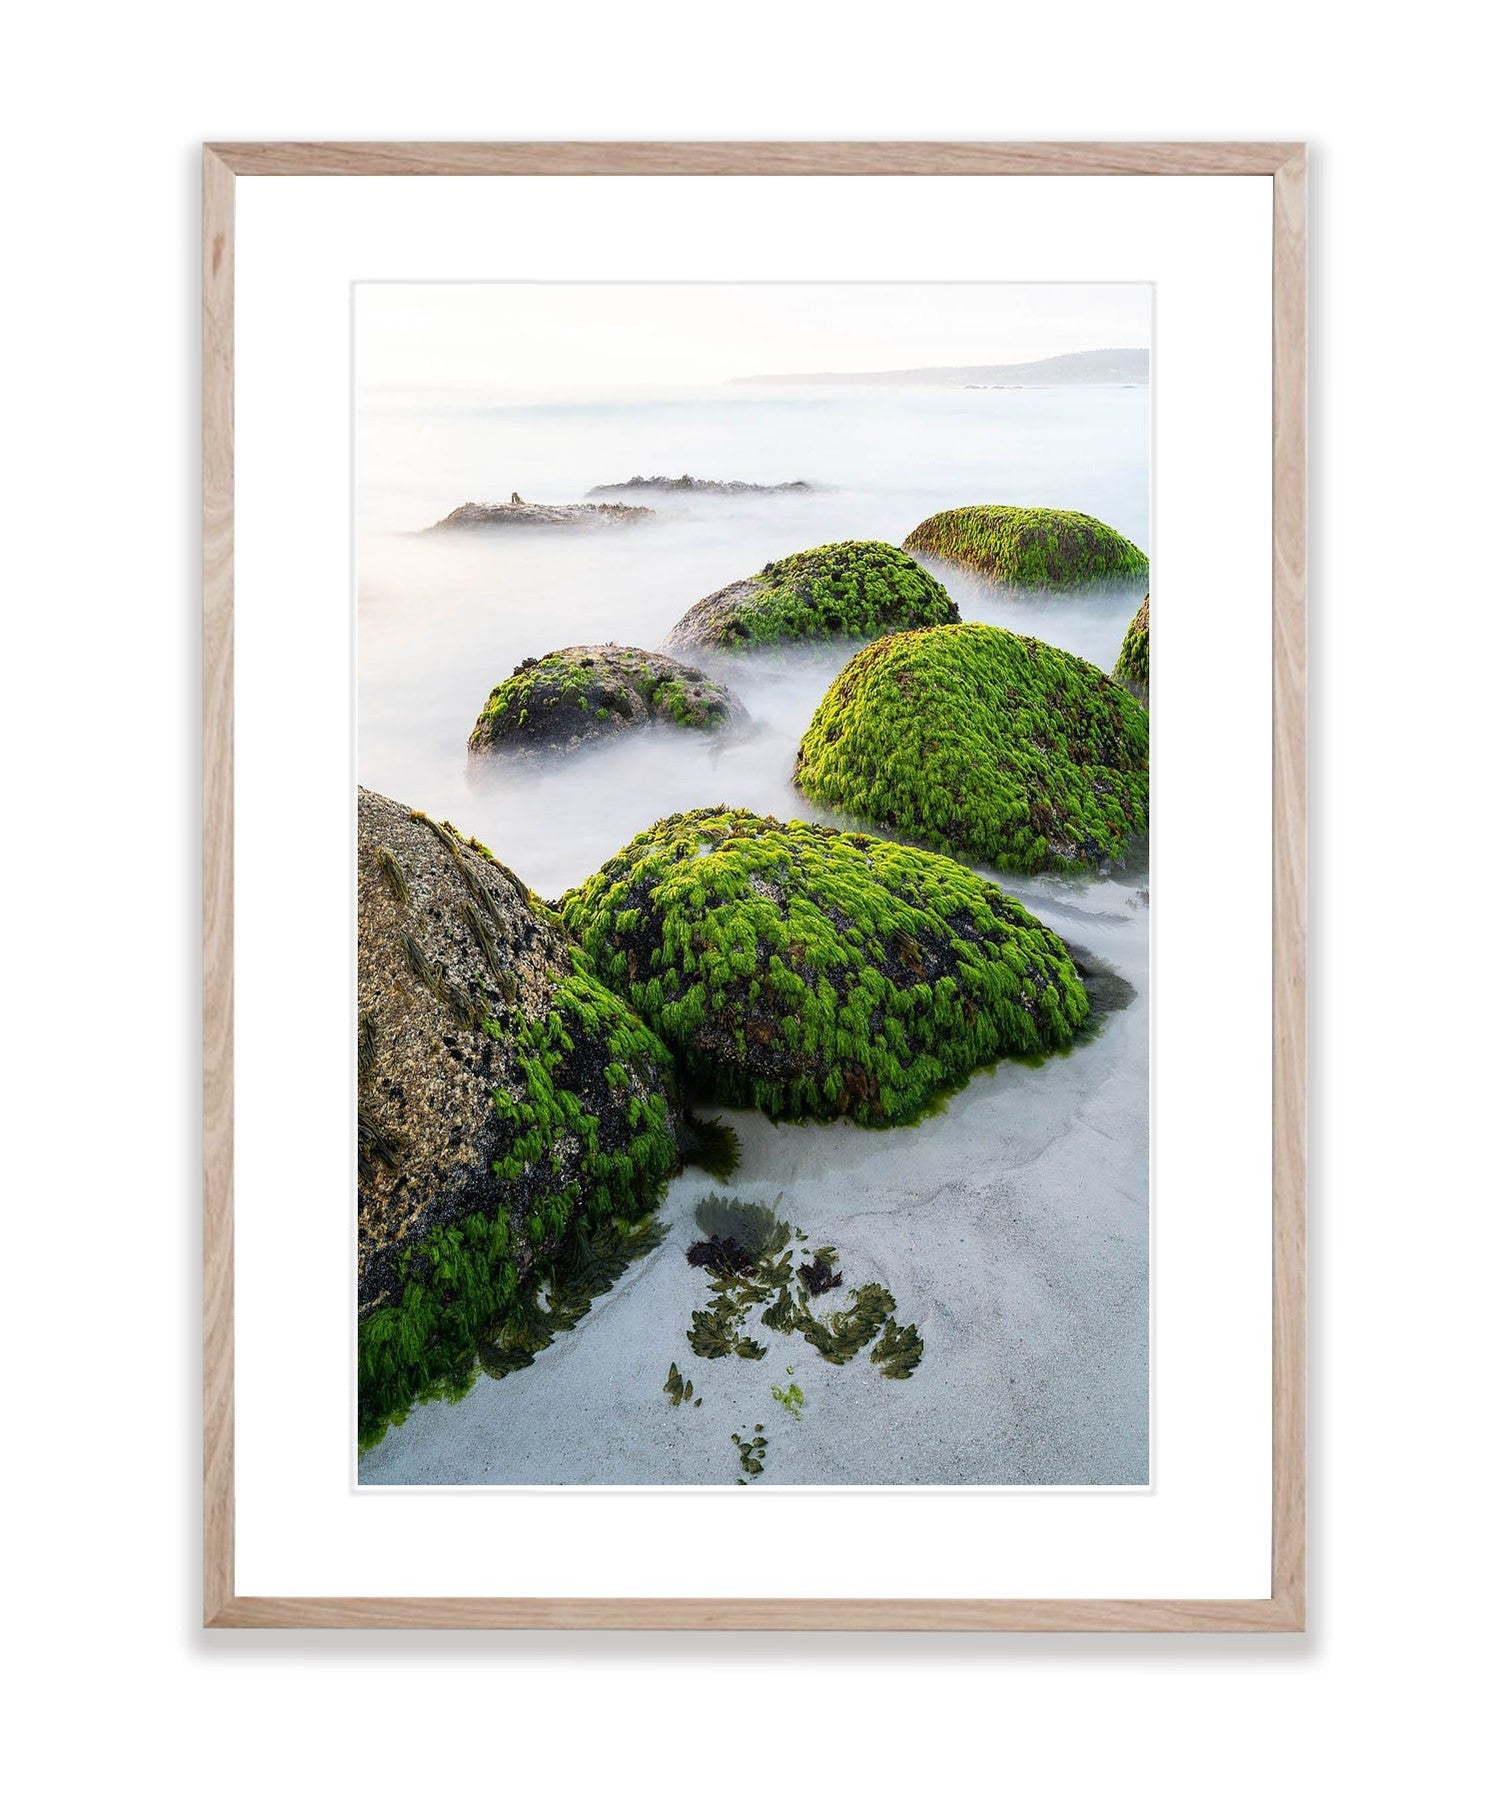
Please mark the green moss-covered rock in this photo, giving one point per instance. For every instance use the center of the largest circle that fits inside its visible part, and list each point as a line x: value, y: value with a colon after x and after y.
x: 1032, y: 549
x: 1132, y: 670
x: 505, y: 1097
x: 818, y: 973
x: 582, y: 695
x: 983, y: 743
x: 838, y: 591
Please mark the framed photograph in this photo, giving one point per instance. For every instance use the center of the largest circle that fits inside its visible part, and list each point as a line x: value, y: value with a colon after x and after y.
x: 754, y: 886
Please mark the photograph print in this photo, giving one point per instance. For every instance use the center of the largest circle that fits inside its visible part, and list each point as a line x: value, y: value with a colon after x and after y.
x: 753, y: 899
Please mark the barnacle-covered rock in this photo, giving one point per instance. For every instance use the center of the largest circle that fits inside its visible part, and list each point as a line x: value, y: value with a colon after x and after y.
x: 505, y: 1095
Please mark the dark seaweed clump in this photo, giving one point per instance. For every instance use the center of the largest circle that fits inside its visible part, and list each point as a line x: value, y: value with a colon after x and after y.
x: 709, y: 1144
x: 721, y: 1255
x: 819, y: 1275
x: 748, y: 1253
x: 766, y: 1285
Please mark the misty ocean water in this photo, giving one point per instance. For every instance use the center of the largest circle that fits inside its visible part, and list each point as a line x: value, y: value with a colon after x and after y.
x: 1047, y: 1381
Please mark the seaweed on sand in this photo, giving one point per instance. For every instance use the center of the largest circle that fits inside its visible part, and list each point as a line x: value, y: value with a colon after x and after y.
x: 709, y: 1144
x: 723, y: 1255
x: 751, y: 1452
x: 587, y: 1266
x: 821, y: 1274
x: 759, y: 1274
x: 678, y: 1391
x: 750, y: 1256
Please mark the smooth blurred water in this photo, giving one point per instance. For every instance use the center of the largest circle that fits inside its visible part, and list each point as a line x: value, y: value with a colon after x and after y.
x: 1014, y: 1224
x: 443, y: 618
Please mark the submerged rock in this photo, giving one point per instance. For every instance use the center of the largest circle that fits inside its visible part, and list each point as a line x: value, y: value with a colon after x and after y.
x: 983, y: 743
x: 821, y: 974
x: 582, y: 695
x: 504, y: 1095
x: 837, y: 591
x: 1132, y: 670
x: 1032, y: 548
x: 693, y: 484
x: 482, y: 515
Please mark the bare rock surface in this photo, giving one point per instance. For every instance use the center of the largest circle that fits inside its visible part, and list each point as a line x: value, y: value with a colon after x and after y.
x: 484, y: 515
x: 668, y: 484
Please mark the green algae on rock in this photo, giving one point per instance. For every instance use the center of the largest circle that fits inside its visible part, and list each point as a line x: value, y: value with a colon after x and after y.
x: 1132, y: 670
x: 835, y: 592
x: 1032, y: 549
x: 983, y: 743
x: 579, y: 696
x: 821, y: 974
x: 507, y: 1101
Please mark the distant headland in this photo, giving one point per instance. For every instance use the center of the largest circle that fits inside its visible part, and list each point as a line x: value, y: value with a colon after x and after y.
x: 1077, y: 368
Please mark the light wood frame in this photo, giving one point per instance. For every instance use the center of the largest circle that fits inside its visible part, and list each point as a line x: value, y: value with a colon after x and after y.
x: 1285, y: 1609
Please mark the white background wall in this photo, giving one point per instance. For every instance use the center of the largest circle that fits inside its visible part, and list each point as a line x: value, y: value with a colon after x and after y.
x: 105, y: 107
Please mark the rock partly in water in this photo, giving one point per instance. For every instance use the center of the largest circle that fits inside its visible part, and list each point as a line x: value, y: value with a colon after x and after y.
x: 1132, y: 670
x: 506, y: 1098
x: 694, y: 484
x: 484, y: 515
x: 837, y: 591
x: 821, y: 974
x: 579, y: 696
x: 983, y: 743
x: 1032, y: 549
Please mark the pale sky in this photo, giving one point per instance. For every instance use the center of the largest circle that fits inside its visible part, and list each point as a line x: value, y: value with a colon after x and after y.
x: 533, y: 337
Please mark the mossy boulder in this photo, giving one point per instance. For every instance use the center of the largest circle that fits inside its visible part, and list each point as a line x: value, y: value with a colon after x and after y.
x: 818, y: 973
x: 578, y: 696
x: 1132, y: 670
x: 1032, y: 549
x: 836, y: 592
x: 505, y: 1096
x: 983, y: 743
